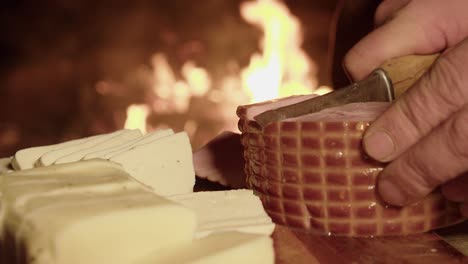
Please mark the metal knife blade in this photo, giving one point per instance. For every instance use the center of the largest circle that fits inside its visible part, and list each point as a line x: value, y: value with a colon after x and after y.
x: 375, y: 88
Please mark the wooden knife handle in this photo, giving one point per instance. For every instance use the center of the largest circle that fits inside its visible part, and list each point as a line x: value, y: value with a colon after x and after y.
x: 405, y: 71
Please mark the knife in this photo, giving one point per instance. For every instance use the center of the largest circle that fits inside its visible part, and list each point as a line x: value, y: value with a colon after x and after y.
x: 384, y: 84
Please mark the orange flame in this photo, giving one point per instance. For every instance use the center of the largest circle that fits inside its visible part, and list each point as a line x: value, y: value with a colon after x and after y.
x: 281, y: 69
x: 136, y: 117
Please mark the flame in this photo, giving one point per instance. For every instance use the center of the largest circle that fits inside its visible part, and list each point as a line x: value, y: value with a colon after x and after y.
x: 173, y: 94
x: 136, y: 117
x: 283, y: 68
x: 280, y: 69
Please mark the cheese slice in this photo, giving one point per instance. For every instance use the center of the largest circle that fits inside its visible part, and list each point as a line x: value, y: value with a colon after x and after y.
x: 165, y: 164
x: 225, y: 248
x: 26, y: 158
x: 51, y: 156
x: 148, y: 139
x: 221, y: 211
x: 112, y: 151
x: 105, y: 217
x: 86, y: 176
x: 125, y: 136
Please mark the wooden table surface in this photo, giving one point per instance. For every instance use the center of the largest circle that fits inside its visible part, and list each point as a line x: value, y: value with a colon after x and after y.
x: 297, y: 247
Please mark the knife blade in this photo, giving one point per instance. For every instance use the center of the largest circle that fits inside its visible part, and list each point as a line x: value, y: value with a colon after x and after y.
x: 385, y: 84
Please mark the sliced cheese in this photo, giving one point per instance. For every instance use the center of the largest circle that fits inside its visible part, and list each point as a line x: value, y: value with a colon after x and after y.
x: 86, y: 176
x: 221, y: 211
x: 103, y: 217
x: 225, y: 248
x: 125, y: 136
x: 26, y: 158
x: 51, y: 156
x: 112, y: 151
x: 165, y: 164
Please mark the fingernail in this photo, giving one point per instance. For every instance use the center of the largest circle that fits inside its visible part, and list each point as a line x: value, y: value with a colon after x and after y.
x: 392, y: 193
x: 379, y: 145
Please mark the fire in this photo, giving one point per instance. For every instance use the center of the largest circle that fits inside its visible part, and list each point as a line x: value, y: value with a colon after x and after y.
x: 280, y: 69
x: 136, y: 117
x: 283, y: 68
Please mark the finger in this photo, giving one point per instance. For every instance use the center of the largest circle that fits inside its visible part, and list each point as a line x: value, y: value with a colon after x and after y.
x: 408, y: 34
x: 389, y: 41
x: 388, y: 9
x: 437, y: 158
x: 438, y: 94
x: 456, y: 189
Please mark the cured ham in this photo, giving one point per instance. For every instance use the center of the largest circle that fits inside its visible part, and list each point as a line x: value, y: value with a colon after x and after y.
x: 311, y: 173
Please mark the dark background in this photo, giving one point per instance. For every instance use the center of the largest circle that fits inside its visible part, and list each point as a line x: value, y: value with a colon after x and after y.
x: 53, y: 53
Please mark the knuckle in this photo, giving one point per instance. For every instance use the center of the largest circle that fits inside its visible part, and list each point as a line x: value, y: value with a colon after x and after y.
x: 388, y: 10
x: 420, y: 174
x: 457, y: 134
x: 413, y: 111
x: 411, y: 177
x: 349, y: 62
x: 447, y: 81
x: 380, y: 13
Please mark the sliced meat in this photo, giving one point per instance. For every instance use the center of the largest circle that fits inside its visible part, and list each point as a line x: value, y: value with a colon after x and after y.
x: 221, y: 160
x: 311, y: 173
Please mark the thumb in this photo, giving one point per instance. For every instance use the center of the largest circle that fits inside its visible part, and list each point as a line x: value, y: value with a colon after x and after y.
x: 438, y: 94
x: 425, y: 132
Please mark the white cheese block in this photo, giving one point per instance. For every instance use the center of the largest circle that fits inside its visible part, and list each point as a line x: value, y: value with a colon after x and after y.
x: 165, y: 164
x: 84, y: 176
x: 221, y: 211
x: 117, y: 140
x: 225, y: 248
x: 90, y: 176
x: 145, y: 140
x: 71, y: 219
x: 26, y: 158
x: 51, y: 156
x: 112, y: 151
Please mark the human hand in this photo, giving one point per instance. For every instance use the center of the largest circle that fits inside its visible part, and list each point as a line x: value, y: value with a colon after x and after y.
x: 424, y: 134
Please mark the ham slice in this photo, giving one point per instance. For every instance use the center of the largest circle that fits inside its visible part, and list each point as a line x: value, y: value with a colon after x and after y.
x: 312, y: 174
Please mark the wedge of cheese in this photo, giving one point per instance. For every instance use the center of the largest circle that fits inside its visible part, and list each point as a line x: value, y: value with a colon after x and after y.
x: 112, y: 151
x: 51, y: 156
x: 226, y: 248
x: 165, y: 164
x: 221, y: 211
x: 26, y: 158
x: 118, y: 140
x: 70, y: 218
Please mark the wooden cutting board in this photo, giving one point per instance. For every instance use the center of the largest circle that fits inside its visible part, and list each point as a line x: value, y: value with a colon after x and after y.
x: 297, y: 247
